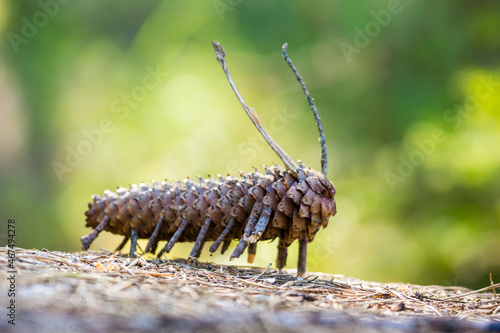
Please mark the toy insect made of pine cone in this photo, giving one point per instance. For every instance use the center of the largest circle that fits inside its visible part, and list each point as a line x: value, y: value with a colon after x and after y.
x: 289, y: 203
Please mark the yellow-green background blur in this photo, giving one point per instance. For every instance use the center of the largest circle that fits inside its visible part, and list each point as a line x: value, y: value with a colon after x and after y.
x: 409, y: 94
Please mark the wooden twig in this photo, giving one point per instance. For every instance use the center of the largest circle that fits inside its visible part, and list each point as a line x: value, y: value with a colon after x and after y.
x: 287, y: 160
x: 492, y: 288
x: 122, y: 244
x: 175, y: 237
x: 200, y: 240
x: 87, y: 240
x: 223, y: 235
x: 324, y: 157
x: 472, y: 292
x: 406, y: 297
x: 153, y: 240
x: 497, y: 310
x: 255, y: 278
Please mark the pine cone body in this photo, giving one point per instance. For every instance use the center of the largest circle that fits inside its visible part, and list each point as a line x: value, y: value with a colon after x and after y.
x: 263, y: 207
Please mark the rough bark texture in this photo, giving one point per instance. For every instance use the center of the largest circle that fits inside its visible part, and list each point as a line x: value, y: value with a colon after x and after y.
x: 98, y: 292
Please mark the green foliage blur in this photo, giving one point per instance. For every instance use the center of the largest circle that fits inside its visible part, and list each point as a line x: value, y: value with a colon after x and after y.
x: 100, y: 94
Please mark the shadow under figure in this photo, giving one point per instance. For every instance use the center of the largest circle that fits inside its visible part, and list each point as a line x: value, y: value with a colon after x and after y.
x: 287, y: 203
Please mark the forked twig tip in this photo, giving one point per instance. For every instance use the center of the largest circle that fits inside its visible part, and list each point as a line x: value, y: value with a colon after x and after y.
x: 219, y: 50
x: 284, y: 48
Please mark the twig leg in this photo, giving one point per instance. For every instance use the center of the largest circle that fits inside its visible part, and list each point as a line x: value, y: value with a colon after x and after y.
x: 252, y: 250
x: 225, y: 246
x: 134, y: 236
x: 200, y: 240
x: 87, y: 240
x: 261, y: 225
x: 153, y: 240
x: 223, y: 235
x: 174, y: 238
x: 301, y: 265
x: 153, y: 249
x: 281, y: 259
x: 240, y: 248
x: 122, y: 244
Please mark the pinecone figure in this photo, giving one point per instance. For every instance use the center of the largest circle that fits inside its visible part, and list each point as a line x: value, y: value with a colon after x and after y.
x: 290, y: 203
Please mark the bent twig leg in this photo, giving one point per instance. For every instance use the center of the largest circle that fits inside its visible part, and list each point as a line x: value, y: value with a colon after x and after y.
x: 252, y: 250
x: 200, y: 240
x: 122, y: 244
x: 134, y: 236
x: 174, y: 238
x: 301, y: 265
x: 87, y: 240
x: 282, y: 254
x: 153, y: 240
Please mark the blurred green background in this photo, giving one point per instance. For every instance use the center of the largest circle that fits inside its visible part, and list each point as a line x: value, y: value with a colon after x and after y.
x: 409, y: 94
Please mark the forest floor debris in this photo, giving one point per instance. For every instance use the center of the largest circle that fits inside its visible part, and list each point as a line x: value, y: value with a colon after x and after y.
x: 98, y: 290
